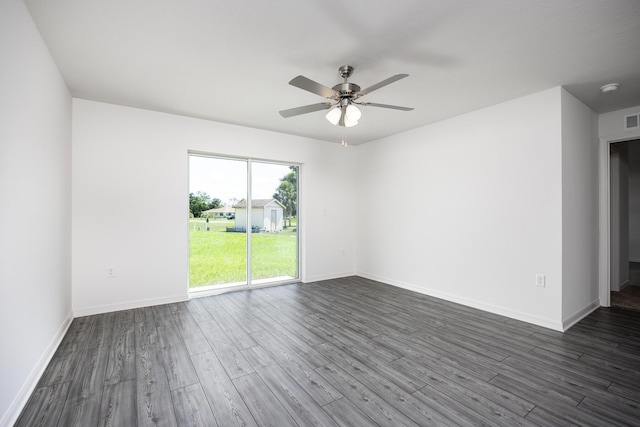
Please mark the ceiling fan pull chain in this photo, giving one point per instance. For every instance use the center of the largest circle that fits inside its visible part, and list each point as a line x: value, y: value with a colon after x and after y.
x: 344, y: 142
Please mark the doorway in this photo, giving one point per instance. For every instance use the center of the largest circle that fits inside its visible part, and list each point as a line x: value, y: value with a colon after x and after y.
x: 243, y: 222
x: 624, y: 224
x: 620, y: 223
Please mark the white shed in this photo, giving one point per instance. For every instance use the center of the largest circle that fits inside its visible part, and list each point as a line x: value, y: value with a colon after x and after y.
x: 266, y: 215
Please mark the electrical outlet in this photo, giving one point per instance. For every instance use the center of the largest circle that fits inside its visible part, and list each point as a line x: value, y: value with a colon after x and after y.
x: 541, y: 280
x: 111, y: 272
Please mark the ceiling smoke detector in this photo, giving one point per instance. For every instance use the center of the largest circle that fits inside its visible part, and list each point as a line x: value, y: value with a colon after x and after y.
x: 611, y: 87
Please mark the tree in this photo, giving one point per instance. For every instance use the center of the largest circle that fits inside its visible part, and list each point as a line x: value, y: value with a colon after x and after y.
x: 215, y: 203
x: 287, y: 193
x: 201, y: 201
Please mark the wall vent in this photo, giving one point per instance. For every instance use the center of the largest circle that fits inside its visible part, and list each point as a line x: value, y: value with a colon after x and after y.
x: 632, y: 122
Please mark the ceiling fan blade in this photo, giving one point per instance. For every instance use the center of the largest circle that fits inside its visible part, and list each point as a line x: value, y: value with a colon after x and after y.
x: 309, y: 85
x: 393, y: 107
x: 382, y: 84
x: 306, y: 109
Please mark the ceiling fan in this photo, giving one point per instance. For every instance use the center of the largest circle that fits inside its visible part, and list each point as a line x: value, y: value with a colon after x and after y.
x: 344, y: 95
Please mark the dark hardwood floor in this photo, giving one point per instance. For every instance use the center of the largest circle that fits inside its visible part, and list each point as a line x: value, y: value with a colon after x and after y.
x: 348, y: 352
x: 629, y: 297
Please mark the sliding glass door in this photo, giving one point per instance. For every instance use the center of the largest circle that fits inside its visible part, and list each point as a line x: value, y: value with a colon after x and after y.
x: 274, y: 212
x: 243, y: 227
x: 217, y: 254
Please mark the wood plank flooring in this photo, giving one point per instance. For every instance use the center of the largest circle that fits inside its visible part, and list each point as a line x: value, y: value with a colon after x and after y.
x: 346, y: 352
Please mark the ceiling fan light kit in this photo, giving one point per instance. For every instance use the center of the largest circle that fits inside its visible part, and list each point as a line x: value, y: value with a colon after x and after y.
x: 344, y: 116
x: 343, y: 111
x: 334, y: 115
x: 352, y: 113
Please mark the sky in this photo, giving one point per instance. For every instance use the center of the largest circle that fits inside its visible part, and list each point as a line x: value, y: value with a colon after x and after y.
x: 226, y: 179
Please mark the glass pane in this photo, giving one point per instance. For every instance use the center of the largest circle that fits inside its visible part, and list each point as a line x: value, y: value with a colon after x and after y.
x: 274, y: 238
x: 217, y: 246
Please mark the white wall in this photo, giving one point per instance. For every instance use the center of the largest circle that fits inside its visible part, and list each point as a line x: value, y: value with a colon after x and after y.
x: 130, y: 201
x: 257, y: 218
x: 579, y: 209
x: 483, y: 201
x: 634, y: 201
x: 241, y: 218
x: 35, y: 207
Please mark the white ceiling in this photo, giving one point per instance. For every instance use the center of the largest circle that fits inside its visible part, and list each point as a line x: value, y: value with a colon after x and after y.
x: 231, y: 61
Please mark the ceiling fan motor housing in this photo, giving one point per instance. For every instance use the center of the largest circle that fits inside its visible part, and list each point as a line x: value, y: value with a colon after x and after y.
x: 347, y: 90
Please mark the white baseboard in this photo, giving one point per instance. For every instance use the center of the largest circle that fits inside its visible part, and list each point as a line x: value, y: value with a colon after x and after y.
x: 580, y: 314
x: 503, y: 311
x: 13, y: 412
x: 99, y: 309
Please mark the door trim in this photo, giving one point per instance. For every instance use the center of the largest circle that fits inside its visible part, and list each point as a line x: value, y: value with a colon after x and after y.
x: 604, y: 214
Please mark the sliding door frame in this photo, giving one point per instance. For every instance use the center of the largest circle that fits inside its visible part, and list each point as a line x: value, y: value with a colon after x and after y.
x: 222, y: 288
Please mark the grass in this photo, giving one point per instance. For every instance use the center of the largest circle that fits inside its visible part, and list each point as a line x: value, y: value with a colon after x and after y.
x: 217, y: 257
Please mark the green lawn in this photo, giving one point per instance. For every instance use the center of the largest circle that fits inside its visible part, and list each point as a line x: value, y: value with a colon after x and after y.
x: 217, y: 257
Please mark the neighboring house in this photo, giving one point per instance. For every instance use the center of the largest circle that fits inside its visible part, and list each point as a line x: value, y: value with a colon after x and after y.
x: 266, y: 215
x: 222, y: 212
